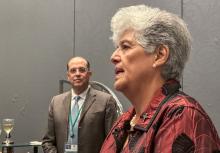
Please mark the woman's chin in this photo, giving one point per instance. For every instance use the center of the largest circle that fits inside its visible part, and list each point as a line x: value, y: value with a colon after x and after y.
x: 119, y: 85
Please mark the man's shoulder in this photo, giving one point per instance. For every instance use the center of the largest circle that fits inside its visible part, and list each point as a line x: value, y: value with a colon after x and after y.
x: 99, y: 93
x: 102, y: 96
x: 62, y: 95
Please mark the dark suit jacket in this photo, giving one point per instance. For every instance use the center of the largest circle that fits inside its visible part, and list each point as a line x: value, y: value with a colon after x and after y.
x: 97, y: 116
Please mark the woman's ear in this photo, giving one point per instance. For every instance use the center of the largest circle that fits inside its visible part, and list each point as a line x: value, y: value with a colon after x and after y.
x: 161, y: 55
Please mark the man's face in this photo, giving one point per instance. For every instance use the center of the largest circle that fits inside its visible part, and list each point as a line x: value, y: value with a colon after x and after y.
x: 78, y: 74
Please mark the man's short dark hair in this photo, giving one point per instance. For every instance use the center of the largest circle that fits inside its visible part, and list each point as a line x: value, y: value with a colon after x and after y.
x: 87, y: 64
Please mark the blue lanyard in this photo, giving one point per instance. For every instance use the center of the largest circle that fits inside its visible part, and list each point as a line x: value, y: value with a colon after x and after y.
x: 71, y: 119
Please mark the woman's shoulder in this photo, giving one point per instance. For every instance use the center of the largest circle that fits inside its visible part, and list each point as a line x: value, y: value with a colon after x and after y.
x: 184, y: 103
x: 184, y: 100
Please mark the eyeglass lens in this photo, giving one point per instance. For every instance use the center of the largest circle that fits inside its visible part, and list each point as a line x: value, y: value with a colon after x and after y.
x: 80, y: 69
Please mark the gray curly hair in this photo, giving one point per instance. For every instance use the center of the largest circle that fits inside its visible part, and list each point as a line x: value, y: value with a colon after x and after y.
x: 154, y: 27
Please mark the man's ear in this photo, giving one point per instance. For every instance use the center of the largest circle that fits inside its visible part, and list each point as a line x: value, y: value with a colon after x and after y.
x: 90, y: 73
x: 161, y: 55
x: 67, y: 76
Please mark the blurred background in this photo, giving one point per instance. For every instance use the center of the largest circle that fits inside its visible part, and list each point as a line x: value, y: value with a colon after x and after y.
x: 37, y: 37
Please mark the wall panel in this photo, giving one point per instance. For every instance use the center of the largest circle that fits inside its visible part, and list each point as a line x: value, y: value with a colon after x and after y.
x: 35, y: 42
x: 93, y: 32
x: 202, y: 71
x: 38, y: 37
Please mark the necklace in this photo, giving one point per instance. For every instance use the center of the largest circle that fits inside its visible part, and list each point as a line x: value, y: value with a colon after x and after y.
x: 133, y: 122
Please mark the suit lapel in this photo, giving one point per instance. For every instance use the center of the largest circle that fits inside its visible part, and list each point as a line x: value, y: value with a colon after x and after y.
x: 90, y: 98
x: 66, y: 104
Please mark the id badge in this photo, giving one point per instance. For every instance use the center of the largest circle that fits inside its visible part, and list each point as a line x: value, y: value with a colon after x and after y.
x: 71, y: 148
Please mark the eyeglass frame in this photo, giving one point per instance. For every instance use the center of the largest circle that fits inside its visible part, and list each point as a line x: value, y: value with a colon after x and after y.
x: 79, y: 69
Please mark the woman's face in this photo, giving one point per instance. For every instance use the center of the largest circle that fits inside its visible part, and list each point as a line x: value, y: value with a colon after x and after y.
x: 133, y: 65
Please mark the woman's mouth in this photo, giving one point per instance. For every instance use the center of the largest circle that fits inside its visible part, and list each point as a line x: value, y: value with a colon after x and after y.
x: 118, y: 72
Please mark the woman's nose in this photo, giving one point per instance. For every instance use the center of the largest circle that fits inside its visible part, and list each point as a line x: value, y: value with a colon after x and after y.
x: 115, y: 58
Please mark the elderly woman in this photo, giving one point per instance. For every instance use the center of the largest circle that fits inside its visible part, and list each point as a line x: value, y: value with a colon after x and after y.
x: 152, y: 47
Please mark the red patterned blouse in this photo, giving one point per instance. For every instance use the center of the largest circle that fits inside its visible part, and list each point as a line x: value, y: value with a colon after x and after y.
x: 175, y: 124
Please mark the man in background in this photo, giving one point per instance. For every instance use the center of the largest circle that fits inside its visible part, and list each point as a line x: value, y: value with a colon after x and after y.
x: 80, y: 118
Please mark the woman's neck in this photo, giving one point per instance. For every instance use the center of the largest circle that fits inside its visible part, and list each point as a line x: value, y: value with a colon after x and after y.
x: 143, y: 96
